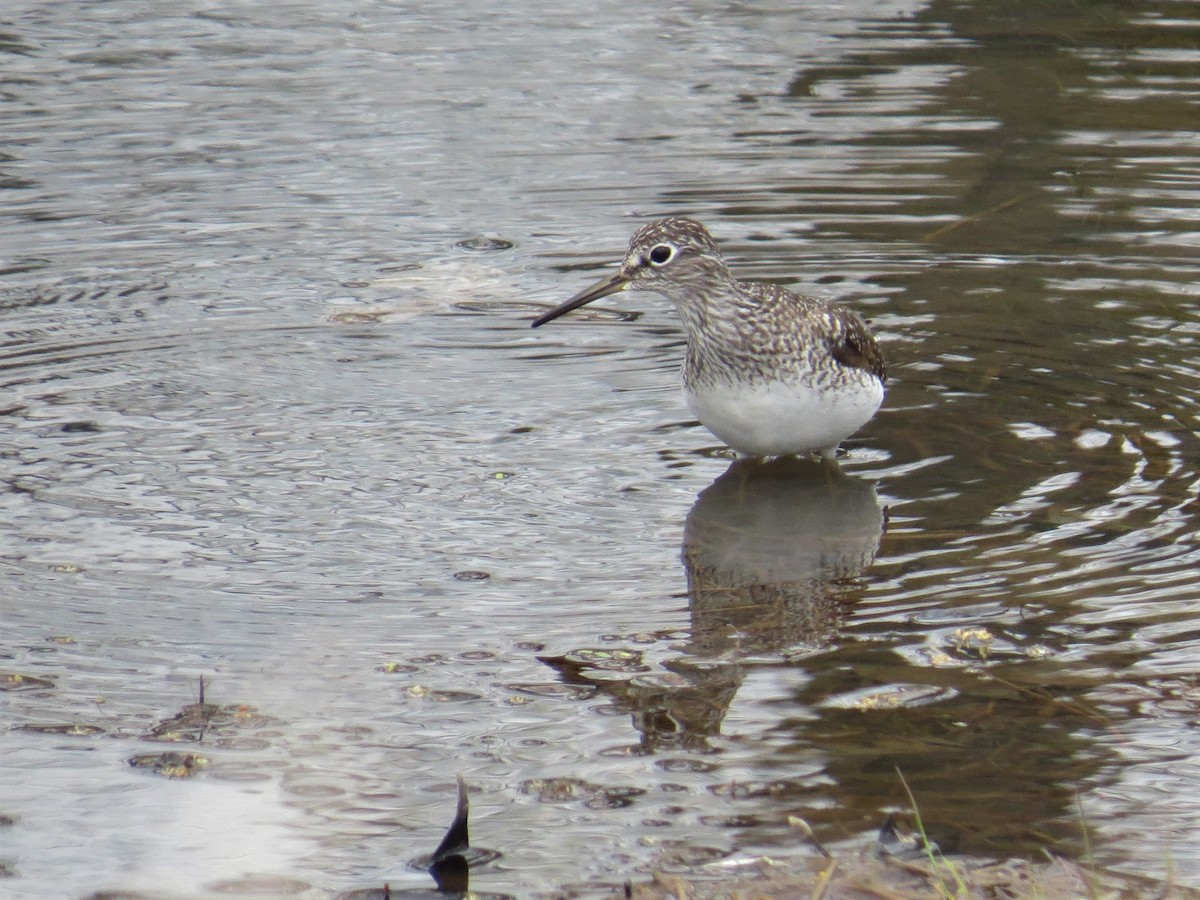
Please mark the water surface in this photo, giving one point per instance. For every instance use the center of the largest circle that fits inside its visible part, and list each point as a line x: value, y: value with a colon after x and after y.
x: 274, y: 416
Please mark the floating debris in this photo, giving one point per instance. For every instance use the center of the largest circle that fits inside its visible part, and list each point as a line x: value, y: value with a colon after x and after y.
x: 974, y: 641
x: 553, y: 690
x: 570, y: 790
x: 424, y: 692
x: 485, y: 244
x: 573, y: 663
x: 391, y: 667
x: 15, y: 681
x: 171, y: 764
x: 890, y: 696
x: 74, y: 729
x: 472, y: 575
x: 199, y: 721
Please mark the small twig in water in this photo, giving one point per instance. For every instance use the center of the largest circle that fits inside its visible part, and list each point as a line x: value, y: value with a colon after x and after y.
x: 967, y: 220
x: 797, y: 822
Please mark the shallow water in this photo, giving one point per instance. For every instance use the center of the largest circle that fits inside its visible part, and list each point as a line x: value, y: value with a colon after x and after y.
x: 275, y: 417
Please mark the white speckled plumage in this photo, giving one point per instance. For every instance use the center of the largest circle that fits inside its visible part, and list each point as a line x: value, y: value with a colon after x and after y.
x: 769, y: 371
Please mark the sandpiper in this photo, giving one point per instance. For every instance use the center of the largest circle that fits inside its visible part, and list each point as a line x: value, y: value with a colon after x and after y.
x: 769, y: 371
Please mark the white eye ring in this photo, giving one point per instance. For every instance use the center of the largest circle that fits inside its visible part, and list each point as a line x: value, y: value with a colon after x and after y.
x: 661, y: 254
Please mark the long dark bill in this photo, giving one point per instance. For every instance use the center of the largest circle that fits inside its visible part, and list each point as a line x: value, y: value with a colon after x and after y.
x: 609, y: 285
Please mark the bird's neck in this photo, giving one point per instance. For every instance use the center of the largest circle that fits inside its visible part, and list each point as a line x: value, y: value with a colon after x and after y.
x: 709, y: 311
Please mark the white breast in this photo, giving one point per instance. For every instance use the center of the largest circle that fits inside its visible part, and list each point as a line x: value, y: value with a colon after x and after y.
x: 782, y: 419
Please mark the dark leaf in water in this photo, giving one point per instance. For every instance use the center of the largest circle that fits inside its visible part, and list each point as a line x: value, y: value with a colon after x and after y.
x: 457, y: 838
x: 452, y: 874
x: 890, y: 842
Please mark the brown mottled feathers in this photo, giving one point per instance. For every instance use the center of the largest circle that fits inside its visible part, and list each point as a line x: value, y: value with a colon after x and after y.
x: 853, y: 346
x: 795, y: 320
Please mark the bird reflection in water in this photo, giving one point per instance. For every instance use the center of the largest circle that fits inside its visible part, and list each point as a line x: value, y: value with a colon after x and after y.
x: 771, y: 551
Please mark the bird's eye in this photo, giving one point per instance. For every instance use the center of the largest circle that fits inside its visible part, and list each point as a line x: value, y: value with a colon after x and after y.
x: 661, y: 254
